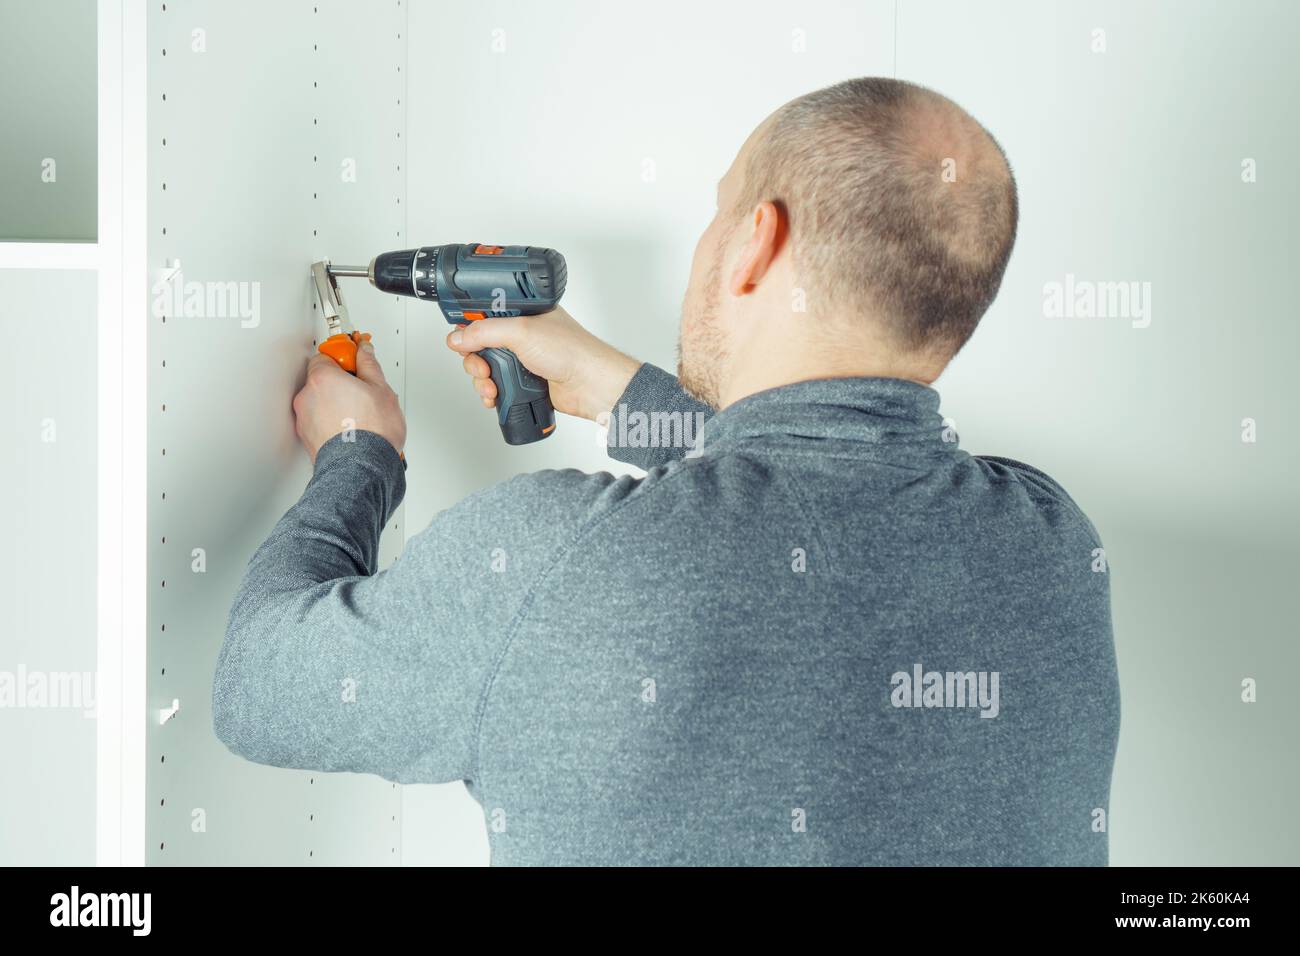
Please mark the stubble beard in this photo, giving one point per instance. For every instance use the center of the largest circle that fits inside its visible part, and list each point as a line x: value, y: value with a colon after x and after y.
x: 699, y: 372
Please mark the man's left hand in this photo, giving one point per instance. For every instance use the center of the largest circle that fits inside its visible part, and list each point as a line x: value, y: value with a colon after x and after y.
x: 332, y: 401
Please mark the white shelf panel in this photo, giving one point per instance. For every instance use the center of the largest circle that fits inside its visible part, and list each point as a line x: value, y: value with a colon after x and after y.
x: 49, y: 255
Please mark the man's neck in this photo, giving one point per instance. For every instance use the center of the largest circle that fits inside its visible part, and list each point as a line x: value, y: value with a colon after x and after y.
x: 760, y: 373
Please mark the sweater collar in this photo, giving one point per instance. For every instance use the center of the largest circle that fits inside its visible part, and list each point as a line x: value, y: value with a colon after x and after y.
x: 861, y: 414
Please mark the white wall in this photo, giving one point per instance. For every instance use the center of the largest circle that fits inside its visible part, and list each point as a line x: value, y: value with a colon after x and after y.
x: 47, y: 569
x: 1129, y: 166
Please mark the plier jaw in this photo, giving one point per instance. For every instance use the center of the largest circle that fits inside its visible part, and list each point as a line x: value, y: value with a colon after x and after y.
x: 343, y: 340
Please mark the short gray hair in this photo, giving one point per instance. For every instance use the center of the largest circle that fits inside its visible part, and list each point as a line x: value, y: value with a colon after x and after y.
x: 858, y: 168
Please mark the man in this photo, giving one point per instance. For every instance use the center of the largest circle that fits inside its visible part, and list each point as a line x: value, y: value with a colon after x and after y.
x: 823, y: 634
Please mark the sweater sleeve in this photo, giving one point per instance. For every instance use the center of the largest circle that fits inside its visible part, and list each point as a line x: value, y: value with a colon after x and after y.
x: 330, y: 664
x: 315, y: 671
x: 654, y: 421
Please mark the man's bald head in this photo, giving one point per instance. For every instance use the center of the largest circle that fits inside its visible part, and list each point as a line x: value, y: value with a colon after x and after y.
x: 899, y: 203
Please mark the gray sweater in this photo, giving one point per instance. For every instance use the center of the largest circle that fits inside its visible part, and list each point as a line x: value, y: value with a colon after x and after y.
x: 825, y: 635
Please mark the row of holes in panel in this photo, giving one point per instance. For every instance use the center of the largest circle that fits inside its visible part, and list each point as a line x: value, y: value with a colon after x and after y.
x: 167, y: 713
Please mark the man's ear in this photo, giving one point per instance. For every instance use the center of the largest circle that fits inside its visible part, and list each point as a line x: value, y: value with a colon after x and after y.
x: 765, y: 239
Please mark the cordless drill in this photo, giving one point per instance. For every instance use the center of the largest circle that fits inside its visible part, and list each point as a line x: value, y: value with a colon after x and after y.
x: 470, y: 282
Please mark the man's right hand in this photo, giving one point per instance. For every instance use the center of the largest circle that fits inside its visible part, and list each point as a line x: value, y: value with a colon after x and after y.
x: 586, y: 375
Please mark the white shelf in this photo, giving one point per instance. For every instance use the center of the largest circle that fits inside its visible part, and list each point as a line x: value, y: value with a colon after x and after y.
x: 49, y: 255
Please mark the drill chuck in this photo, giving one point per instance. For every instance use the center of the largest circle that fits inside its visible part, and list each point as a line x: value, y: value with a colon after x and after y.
x: 406, y: 272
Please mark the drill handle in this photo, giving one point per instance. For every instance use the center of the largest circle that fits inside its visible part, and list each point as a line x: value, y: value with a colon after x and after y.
x: 524, y: 408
